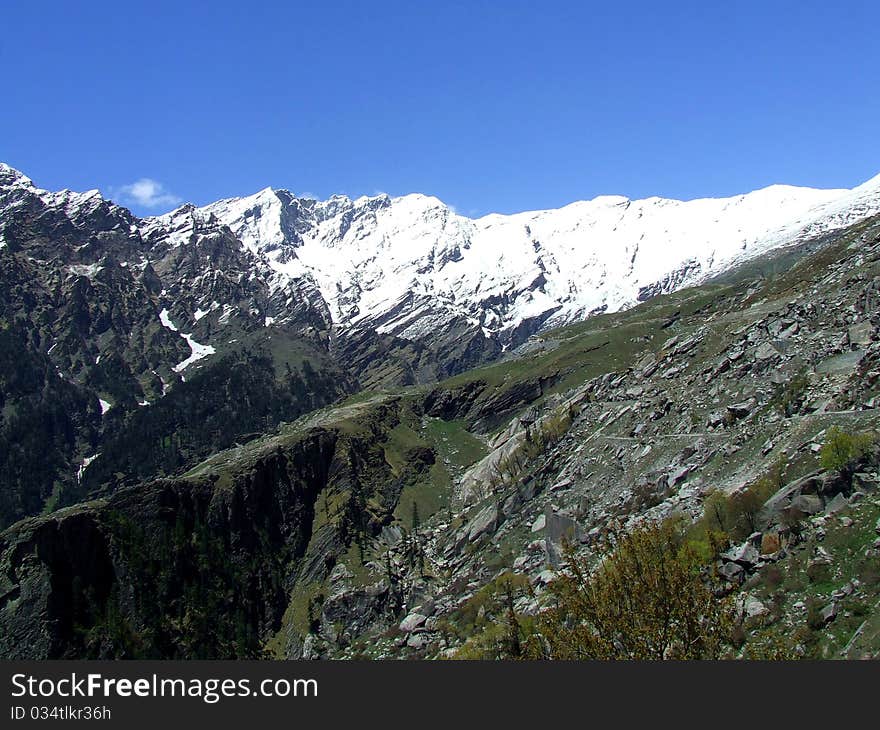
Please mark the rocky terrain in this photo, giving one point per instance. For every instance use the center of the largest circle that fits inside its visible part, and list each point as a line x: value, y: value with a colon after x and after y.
x: 257, y: 479
x: 715, y: 389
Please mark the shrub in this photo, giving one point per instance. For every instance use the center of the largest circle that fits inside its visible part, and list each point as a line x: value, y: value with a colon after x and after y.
x: 496, y: 631
x: 647, y: 600
x: 789, y: 398
x: 842, y: 451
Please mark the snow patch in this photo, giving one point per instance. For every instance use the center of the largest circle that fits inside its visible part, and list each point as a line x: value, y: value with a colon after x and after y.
x: 198, y: 352
x: 165, y: 319
x: 85, y: 465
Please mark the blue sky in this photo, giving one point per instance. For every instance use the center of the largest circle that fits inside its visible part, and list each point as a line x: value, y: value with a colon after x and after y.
x: 489, y: 105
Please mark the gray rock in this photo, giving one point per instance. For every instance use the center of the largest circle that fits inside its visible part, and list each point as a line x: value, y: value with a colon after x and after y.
x: 832, y: 482
x: 822, y: 557
x: 808, y: 504
x: 731, y: 572
x: 838, y: 503
x: 310, y: 648
x: 412, y: 622
x: 754, y: 609
x: 391, y: 535
x: 559, y: 529
x: 679, y: 475
x: 861, y: 335
x: 829, y: 613
x: 563, y: 484
x: 745, y: 555
x: 539, y: 523
x: 865, y: 482
x: 765, y: 351
x: 486, y: 522
x: 511, y: 505
x: 340, y: 573
x: 741, y: 410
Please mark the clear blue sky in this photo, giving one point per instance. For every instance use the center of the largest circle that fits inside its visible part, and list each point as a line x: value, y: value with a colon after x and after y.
x: 489, y: 105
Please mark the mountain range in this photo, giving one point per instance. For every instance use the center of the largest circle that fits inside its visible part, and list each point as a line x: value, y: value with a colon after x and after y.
x: 286, y: 379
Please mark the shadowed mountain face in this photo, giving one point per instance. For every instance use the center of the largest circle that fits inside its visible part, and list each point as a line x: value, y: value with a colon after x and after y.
x: 280, y: 394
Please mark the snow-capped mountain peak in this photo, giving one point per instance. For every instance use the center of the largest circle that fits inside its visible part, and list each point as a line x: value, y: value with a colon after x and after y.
x: 409, y: 264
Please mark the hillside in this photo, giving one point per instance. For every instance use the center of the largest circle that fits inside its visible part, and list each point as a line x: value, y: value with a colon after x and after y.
x: 378, y: 526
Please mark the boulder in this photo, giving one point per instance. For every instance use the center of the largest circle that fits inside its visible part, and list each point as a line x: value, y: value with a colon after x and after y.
x: 391, y: 535
x: 486, y: 522
x: 829, y: 613
x: 745, y: 555
x: 781, y: 501
x: 765, y: 351
x: 511, y: 504
x: 754, y: 609
x: 838, y: 503
x: 808, y: 504
x: 731, y: 572
x: 340, y: 574
x: 412, y: 622
x: 678, y: 476
x: 560, y: 485
x: 861, y: 334
x: 741, y: 410
x: 832, y: 482
x: 559, y: 528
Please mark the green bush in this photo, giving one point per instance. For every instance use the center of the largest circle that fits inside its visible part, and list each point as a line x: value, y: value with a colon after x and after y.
x: 789, y: 398
x: 647, y: 600
x: 842, y: 451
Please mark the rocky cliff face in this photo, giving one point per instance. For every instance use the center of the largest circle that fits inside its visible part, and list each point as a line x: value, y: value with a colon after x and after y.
x: 204, y: 565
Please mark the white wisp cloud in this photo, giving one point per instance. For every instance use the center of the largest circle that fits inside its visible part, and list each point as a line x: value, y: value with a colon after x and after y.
x: 147, y: 193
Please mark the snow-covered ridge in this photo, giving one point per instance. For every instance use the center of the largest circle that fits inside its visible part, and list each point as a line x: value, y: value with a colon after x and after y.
x: 411, y: 265
x: 407, y: 264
